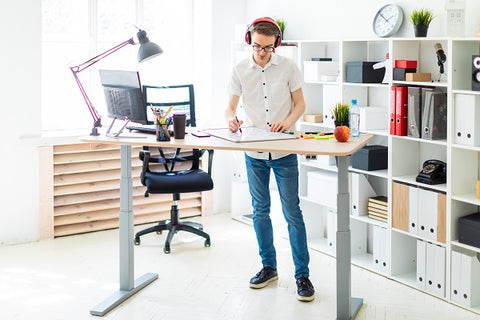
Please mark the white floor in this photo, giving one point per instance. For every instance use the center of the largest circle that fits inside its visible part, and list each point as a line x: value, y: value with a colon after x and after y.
x: 63, y: 278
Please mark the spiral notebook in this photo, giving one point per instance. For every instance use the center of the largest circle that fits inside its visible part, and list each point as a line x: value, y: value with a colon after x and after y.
x: 248, y: 134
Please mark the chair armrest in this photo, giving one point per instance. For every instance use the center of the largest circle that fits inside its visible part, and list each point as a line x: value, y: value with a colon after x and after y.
x: 144, y: 155
x: 210, y: 160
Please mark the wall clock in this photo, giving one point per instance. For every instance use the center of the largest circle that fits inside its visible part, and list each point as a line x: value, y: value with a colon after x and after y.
x: 387, y: 20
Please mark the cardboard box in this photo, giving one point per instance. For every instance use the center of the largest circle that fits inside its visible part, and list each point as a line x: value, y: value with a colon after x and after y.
x: 399, y: 73
x: 406, y: 64
x: 418, y: 77
x: 374, y: 157
x: 363, y: 72
x: 320, y: 70
x: 313, y: 117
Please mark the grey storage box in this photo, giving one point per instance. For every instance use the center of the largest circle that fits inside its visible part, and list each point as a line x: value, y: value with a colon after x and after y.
x: 363, y: 72
x: 370, y: 158
x: 469, y: 230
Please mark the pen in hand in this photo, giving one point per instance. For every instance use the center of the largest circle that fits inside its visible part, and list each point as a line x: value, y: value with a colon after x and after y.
x: 240, y: 129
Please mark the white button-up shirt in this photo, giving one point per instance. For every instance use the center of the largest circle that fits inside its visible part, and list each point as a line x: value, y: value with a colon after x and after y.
x: 266, y: 92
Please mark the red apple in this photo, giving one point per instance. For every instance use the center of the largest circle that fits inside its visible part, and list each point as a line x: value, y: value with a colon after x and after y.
x: 342, y: 133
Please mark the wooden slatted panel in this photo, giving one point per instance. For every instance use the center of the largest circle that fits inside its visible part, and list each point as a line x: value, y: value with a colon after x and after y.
x: 115, y: 203
x: 113, y: 223
x: 86, y: 190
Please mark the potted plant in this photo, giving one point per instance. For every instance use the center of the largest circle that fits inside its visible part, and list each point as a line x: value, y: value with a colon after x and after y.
x: 421, y: 20
x: 341, y: 113
x: 282, y: 24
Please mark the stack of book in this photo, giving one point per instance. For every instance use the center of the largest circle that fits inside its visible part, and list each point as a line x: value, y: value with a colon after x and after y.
x: 378, y: 208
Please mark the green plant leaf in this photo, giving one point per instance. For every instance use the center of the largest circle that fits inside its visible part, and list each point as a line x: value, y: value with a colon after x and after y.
x: 421, y: 17
x: 341, y: 112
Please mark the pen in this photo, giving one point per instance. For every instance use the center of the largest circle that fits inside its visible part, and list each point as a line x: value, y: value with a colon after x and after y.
x: 169, y: 109
x: 317, y: 132
x: 240, y: 129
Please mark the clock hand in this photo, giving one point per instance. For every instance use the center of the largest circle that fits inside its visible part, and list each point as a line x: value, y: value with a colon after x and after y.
x: 381, y: 15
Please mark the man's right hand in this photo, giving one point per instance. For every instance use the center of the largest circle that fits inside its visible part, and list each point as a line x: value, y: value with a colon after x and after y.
x: 234, y: 124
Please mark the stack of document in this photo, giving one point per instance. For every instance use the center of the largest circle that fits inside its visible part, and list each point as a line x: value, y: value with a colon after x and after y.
x: 378, y: 208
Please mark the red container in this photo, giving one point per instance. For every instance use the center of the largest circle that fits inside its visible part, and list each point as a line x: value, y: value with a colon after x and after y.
x: 406, y: 64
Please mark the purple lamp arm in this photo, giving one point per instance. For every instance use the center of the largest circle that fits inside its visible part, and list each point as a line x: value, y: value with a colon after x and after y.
x: 97, y: 123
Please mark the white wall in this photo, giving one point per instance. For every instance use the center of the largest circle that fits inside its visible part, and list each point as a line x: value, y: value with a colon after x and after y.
x: 351, y: 19
x: 20, y: 54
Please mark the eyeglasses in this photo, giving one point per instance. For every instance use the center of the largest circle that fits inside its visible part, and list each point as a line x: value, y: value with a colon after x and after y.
x: 256, y: 47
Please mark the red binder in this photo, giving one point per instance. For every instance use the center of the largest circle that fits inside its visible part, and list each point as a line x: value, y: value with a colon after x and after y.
x: 401, y: 111
x: 393, y: 107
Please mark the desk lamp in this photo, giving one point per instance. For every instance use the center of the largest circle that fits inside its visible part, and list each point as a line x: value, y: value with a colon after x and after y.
x: 146, y: 51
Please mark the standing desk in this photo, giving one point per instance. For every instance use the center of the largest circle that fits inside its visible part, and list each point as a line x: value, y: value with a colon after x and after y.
x: 347, y: 307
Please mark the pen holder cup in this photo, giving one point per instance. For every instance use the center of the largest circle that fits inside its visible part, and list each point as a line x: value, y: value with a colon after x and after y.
x: 162, y: 132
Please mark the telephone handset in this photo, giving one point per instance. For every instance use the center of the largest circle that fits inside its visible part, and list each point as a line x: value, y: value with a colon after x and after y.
x: 433, y: 172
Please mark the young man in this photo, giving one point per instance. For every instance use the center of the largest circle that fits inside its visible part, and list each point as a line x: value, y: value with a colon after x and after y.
x: 272, y: 96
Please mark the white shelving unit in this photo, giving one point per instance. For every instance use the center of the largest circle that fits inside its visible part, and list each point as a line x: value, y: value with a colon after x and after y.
x: 406, y: 154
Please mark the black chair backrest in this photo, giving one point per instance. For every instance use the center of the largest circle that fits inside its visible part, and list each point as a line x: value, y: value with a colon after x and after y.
x: 181, y: 97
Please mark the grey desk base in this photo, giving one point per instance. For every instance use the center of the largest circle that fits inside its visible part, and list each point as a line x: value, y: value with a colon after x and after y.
x: 347, y: 307
x: 128, y: 286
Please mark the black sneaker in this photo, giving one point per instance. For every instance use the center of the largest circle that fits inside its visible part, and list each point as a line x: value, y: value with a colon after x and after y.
x: 264, y: 277
x: 305, y: 290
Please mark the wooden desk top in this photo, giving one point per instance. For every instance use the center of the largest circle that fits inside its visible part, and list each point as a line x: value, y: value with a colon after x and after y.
x: 298, y: 146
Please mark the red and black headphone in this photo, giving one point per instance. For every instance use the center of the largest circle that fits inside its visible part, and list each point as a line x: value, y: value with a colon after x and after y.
x: 248, y: 34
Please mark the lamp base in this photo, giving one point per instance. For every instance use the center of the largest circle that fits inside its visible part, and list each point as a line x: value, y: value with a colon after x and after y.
x: 94, y: 132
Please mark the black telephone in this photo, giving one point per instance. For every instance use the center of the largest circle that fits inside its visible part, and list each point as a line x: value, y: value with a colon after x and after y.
x: 433, y: 172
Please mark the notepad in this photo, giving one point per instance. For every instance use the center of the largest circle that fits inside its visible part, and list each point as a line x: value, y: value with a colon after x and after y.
x: 249, y: 134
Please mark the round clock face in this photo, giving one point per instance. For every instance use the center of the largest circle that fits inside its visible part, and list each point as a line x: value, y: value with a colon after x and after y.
x: 388, y: 20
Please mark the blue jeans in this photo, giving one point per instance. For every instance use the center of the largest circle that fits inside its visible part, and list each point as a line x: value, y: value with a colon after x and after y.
x: 286, y: 175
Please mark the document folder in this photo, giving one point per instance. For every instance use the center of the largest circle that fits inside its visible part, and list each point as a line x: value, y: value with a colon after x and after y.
x: 248, y: 134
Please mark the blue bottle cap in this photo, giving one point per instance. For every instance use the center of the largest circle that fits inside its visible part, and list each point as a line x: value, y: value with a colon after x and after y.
x: 354, y: 101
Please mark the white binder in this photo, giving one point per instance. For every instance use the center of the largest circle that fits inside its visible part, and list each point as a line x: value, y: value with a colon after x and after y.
x: 380, y: 246
x: 358, y: 234
x: 435, y: 270
x: 332, y: 230
x: 413, y: 210
x: 467, y: 118
x: 427, y: 214
x: 361, y: 191
x: 456, y: 278
x: 421, y: 264
x: 465, y: 283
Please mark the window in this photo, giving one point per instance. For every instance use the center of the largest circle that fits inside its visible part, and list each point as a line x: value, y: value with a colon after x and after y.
x: 74, y: 31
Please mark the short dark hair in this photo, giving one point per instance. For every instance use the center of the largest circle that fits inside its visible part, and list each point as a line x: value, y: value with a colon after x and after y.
x: 266, y: 29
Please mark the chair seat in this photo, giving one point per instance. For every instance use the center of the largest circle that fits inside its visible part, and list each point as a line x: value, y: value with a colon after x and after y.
x: 178, y: 181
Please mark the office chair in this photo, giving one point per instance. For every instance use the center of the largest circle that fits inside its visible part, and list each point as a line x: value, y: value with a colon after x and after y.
x: 169, y: 180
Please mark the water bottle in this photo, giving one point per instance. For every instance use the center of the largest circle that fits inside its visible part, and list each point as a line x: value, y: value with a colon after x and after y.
x: 354, y: 119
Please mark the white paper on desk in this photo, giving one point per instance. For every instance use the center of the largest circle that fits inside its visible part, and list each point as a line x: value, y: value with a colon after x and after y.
x: 248, y: 134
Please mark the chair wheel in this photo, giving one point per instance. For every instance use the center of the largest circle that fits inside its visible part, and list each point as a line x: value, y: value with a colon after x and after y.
x: 207, y: 243
x: 166, y: 249
x: 137, y: 241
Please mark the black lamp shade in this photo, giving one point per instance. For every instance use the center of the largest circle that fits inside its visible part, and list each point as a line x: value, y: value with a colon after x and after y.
x: 147, y: 48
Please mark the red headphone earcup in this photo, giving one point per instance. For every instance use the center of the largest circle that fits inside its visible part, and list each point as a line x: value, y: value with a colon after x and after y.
x: 248, y: 37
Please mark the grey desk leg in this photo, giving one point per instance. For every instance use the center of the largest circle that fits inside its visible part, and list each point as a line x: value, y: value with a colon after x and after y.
x: 347, y: 307
x: 128, y: 286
